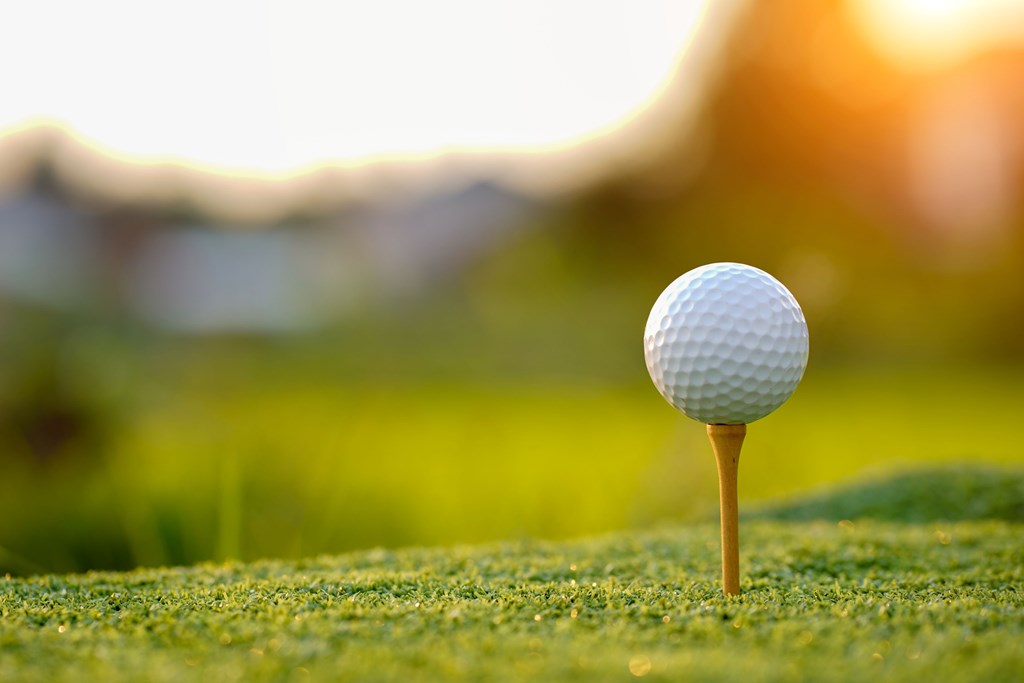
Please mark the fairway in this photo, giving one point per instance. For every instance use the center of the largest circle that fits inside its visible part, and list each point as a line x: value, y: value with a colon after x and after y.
x: 292, y: 467
x: 826, y: 601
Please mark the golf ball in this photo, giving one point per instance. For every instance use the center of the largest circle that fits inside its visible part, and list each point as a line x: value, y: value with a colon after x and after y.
x: 726, y: 343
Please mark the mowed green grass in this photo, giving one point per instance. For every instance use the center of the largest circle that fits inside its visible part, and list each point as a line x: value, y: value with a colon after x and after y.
x: 854, y: 601
x: 298, y: 464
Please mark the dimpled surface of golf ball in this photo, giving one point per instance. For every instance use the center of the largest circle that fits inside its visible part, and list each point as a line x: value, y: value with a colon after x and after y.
x: 726, y: 343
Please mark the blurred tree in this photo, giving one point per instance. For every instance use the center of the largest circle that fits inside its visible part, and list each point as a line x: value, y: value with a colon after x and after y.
x: 803, y: 163
x: 49, y: 416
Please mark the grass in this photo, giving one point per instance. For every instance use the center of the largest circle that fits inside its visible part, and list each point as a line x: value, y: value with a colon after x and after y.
x: 920, y: 495
x: 853, y: 600
x: 243, y: 465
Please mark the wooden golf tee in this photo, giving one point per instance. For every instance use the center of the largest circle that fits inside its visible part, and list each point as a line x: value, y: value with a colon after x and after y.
x: 726, y: 441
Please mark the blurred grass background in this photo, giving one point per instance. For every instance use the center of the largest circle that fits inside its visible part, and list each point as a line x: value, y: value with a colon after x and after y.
x: 484, y: 379
x: 181, y: 450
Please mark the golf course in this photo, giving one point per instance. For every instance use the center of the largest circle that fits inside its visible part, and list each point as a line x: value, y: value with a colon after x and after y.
x: 512, y: 340
x: 870, y: 548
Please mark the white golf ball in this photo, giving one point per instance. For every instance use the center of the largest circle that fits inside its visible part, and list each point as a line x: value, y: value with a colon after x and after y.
x: 726, y: 343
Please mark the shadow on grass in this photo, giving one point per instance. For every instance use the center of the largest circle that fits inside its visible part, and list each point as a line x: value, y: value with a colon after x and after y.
x: 966, y: 492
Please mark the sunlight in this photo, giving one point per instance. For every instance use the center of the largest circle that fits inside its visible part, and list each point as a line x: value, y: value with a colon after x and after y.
x: 274, y: 89
x: 929, y: 34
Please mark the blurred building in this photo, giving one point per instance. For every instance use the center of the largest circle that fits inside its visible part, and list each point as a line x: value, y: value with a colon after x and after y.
x: 196, y: 277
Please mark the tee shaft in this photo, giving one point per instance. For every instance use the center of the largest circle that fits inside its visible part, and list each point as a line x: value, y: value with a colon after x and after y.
x: 726, y: 441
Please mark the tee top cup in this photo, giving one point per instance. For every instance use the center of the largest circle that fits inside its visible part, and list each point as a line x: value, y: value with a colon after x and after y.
x: 726, y: 344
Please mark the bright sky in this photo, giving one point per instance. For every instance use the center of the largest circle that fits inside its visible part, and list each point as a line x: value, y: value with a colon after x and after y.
x: 277, y: 86
x: 273, y: 88
x: 929, y: 34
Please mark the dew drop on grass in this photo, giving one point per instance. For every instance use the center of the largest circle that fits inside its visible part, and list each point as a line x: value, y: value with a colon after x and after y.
x: 639, y: 665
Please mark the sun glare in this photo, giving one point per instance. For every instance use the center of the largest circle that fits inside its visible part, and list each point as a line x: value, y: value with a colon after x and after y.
x: 929, y: 34
x: 276, y: 88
